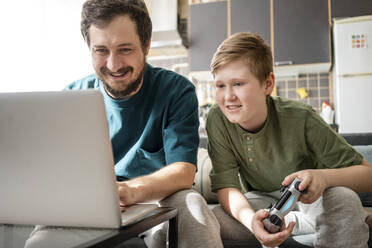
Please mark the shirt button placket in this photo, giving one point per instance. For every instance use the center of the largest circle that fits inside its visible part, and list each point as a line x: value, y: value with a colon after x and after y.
x: 250, y: 150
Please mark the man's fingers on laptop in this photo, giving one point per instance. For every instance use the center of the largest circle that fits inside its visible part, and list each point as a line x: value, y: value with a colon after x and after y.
x: 126, y: 194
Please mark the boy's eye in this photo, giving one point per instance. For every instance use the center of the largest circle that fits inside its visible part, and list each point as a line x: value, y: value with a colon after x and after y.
x: 238, y: 84
x: 220, y: 85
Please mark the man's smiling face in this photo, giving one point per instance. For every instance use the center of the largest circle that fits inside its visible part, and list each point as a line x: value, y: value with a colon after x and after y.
x: 118, y: 56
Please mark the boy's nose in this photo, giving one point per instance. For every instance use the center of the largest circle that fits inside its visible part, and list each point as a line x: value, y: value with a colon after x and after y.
x: 229, y: 94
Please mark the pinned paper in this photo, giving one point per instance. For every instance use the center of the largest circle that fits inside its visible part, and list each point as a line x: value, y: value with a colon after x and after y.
x: 302, y: 93
x: 358, y: 41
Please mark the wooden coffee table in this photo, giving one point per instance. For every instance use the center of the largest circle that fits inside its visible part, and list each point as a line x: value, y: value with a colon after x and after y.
x: 123, y: 234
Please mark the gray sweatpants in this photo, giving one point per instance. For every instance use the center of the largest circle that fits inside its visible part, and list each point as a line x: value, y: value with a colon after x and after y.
x: 196, y: 224
x: 337, y: 219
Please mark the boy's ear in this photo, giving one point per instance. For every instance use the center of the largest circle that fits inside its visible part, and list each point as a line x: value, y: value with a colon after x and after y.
x: 269, y: 84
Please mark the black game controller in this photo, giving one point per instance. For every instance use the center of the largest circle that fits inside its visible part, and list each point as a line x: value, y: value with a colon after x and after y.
x: 285, y: 204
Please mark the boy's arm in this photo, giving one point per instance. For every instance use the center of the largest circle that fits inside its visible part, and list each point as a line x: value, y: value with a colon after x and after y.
x: 237, y: 206
x: 356, y: 177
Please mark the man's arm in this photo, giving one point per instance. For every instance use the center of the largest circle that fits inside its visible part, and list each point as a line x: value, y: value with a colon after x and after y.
x: 158, y: 185
x: 180, y: 139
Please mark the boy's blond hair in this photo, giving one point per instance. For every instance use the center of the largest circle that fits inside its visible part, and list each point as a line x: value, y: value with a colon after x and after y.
x: 248, y: 47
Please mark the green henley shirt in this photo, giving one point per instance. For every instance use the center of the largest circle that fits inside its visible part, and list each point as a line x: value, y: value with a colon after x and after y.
x: 293, y: 138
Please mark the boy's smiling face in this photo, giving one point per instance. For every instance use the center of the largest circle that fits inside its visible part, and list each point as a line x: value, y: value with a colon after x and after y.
x: 241, y: 96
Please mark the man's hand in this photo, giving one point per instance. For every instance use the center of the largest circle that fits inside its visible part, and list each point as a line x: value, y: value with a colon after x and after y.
x: 157, y: 185
x: 266, y: 238
x: 311, y: 180
x: 126, y: 195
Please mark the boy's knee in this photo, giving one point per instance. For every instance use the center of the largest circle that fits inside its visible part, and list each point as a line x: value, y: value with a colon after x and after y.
x: 342, y: 222
x: 341, y: 197
x: 343, y: 204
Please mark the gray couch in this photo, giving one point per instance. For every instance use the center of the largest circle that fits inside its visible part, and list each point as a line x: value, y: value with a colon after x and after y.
x: 361, y: 142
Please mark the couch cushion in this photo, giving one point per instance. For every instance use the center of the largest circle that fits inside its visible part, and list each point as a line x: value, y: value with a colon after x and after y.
x: 202, y: 182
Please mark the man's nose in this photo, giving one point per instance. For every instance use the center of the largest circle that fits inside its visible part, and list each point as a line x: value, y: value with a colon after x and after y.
x: 113, y: 63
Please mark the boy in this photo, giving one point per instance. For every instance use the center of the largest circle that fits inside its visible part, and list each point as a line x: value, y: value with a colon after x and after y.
x: 268, y: 142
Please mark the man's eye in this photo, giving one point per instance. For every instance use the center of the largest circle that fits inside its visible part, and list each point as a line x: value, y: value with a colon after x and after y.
x: 238, y: 84
x: 220, y: 85
x: 125, y: 50
x: 101, y: 51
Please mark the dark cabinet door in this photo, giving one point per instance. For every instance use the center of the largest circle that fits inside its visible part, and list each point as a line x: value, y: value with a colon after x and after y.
x: 208, y: 28
x: 301, y: 31
x: 350, y: 8
x: 252, y: 16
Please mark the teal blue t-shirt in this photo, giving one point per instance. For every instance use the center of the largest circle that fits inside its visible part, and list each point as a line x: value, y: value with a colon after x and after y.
x: 155, y: 127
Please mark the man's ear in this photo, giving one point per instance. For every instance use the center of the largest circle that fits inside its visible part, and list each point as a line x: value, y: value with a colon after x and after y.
x: 269, y: 84
x: 147, y: 48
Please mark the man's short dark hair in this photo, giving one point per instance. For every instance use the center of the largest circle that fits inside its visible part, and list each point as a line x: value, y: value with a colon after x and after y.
x: 101, y: 12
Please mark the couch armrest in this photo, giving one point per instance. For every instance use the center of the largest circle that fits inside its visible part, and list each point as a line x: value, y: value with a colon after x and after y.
x: 366, y: 151
x: 358, y: 139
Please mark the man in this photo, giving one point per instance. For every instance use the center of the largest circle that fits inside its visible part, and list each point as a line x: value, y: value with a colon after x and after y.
x: 268, y: 142
x: 153, y: 121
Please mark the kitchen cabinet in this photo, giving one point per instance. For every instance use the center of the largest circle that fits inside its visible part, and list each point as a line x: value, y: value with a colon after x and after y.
x: 301, y: 32
x: 298, y: 31
x: 348, y: 8
x: 251, y: 15
x: 208, y: 28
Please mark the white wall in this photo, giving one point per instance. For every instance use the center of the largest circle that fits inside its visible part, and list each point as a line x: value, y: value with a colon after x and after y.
x: 41, y: 45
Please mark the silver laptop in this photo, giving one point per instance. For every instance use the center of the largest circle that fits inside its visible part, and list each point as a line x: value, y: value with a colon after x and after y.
x: 56, y: 162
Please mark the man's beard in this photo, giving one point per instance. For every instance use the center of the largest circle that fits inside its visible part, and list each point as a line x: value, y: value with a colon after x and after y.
x: 132, y: 86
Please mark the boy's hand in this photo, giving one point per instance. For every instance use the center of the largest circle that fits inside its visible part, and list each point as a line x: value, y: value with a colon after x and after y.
x: 311, y: 180
x: 266, y: 238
